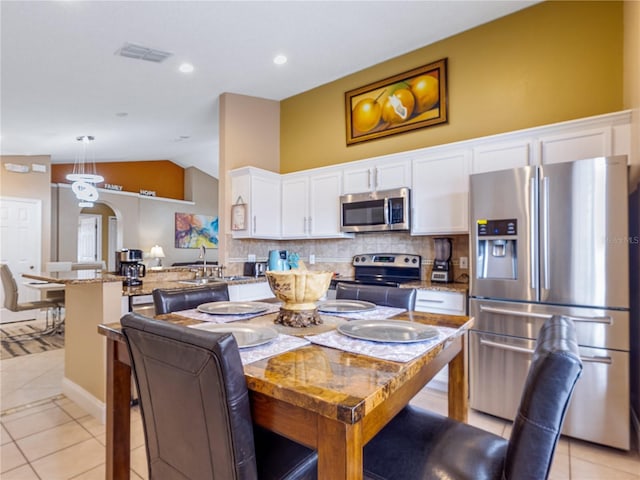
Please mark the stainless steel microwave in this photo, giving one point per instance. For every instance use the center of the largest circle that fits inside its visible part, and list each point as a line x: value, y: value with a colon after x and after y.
x: 379, y: 211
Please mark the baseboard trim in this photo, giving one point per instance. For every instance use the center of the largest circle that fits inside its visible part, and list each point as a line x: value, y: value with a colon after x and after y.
x: 85, y: 400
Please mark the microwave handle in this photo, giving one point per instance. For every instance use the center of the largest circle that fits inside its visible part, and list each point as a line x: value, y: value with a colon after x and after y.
x: 387, y: 211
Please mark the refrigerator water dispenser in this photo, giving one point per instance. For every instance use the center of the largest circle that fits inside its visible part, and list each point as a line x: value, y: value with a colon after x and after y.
x: 497, y: 252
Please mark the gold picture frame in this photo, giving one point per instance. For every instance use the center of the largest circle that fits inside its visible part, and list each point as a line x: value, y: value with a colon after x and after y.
x: 402, y: 103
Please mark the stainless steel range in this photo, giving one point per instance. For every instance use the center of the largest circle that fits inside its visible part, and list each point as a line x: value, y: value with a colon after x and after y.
x: 389, y: 269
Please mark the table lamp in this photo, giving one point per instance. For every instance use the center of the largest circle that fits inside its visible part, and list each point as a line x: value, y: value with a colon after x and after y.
x: 157, y: 253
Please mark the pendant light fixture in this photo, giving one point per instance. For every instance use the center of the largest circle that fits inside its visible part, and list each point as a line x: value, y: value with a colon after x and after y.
x: 84, y: 176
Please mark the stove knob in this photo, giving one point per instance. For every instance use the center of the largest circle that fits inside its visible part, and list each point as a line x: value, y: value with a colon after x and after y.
x: 406, y: 259
x: 415, y: 260
x: 356, y: 260
x: 364, y: 259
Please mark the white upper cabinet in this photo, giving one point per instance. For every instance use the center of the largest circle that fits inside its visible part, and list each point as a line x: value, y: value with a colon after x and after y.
x: 260, y: 190
x: 324, y: 205
x: 576, y: 145
x: 440, y: 193
x: 378, y: 174
x: 501, y: 156
x: 295, y: 206
x: 311, y: 204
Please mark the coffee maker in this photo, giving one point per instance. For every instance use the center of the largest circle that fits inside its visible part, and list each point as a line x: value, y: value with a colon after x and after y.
x: 442, y: 271
x: 128, y: 265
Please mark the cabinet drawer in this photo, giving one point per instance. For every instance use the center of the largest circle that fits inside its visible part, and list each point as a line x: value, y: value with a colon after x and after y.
x: 434, y: 301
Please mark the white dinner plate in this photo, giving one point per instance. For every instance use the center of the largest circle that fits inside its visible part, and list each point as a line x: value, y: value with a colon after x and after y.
x: 392, y: 331
x: 345, y: 306
x: 245, y: 335
x: 232, y: 308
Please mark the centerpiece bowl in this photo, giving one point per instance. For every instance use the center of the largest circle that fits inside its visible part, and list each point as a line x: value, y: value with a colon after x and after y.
x: 299, y: 290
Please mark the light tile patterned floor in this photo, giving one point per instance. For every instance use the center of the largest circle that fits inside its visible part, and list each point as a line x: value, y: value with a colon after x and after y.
x: 54, y: 439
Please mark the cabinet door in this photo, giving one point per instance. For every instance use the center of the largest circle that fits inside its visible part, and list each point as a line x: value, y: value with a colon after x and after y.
x: 295, y: 211
x: 440, y: 194
x: 578, y: 145
x: 358, y: 178
x: 434, y: 301
x: 501, y: 156
x: 265, y: 207
x: 324, y: 205
x: 392, y: 173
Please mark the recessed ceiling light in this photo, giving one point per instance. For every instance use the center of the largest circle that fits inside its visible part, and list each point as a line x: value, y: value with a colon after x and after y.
x: 121, y: 114
x: 280, y: 60
x: 186, y: 68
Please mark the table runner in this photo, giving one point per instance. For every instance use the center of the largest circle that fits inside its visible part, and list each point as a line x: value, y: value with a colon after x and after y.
x: 397, y: 352
x: 282, y: 343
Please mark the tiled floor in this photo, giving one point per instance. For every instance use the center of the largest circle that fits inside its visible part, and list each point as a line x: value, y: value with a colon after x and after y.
x: 53, y: 439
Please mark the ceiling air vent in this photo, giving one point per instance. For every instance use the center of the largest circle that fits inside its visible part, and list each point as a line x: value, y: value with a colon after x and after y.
x: 139, y: 52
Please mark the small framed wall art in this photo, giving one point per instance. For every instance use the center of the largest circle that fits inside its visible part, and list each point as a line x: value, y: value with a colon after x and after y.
x: 239, y: 215
x: 407, y: 101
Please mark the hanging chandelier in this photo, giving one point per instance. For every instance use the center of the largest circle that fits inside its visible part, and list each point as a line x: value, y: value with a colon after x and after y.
x: 84, y: 176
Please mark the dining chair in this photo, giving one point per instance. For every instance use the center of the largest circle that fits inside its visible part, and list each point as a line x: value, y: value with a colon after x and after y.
x: 12, y: 304
x: 418, y: 444
x: 173, y: 300
x: 195, y: 408
x: 378, y: 294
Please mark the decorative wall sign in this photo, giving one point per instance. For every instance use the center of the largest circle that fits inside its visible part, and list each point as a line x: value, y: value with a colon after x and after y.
x: 239, y: 215
x: 404, y: 102
x: 194, y: 230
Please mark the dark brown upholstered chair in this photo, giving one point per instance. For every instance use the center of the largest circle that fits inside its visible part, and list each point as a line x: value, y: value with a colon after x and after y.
x: 380, y: 295
x: 418, y: 444
x: 195, y: 408
x: 167, y: 301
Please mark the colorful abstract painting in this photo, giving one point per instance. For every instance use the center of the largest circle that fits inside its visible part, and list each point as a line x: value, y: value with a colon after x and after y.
x: 194, y: 230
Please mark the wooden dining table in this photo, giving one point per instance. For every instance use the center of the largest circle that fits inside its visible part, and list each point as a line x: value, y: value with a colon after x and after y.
x: 328, y: 399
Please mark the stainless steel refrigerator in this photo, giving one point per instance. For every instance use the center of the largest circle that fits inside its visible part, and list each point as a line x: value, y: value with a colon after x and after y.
x: 549, y: 240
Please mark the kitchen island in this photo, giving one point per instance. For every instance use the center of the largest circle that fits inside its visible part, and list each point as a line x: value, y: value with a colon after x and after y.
x: 92, y: 298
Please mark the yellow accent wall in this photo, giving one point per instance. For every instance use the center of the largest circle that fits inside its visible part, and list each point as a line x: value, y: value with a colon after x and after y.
x: 552, y: 62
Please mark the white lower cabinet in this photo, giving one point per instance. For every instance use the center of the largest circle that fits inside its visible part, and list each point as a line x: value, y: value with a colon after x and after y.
x: 449, y: 303
x: 245, y: 292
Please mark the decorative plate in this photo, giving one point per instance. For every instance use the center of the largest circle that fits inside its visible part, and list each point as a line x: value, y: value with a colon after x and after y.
x: 232, y: 308
x: 345, y: 306
x: 394, y: 331
x: 245, y: 335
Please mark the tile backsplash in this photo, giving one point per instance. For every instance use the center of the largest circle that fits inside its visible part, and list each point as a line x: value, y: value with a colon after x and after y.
x: 336, y: 254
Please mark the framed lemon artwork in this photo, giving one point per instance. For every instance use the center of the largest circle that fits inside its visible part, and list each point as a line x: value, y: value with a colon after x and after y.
x: 404, y: 102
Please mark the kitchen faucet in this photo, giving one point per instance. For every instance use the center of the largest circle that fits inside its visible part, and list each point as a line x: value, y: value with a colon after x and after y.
x: 203, y: 256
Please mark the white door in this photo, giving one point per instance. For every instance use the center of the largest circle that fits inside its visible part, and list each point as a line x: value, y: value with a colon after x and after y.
x: 89, y: 237
x: 20, y: 247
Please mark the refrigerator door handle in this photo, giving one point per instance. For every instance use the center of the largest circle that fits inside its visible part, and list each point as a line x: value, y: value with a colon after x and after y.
x: 605, y: 360
x: 504, y: 346
x: 532, y: 239
x: 545, y: 233
x: 513, y: 348
x: 515, y: 313
x: 606, y: 320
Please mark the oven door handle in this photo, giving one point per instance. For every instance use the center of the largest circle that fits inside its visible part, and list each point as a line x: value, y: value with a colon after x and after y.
x: 607, y: 320
x: 512, y: 348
